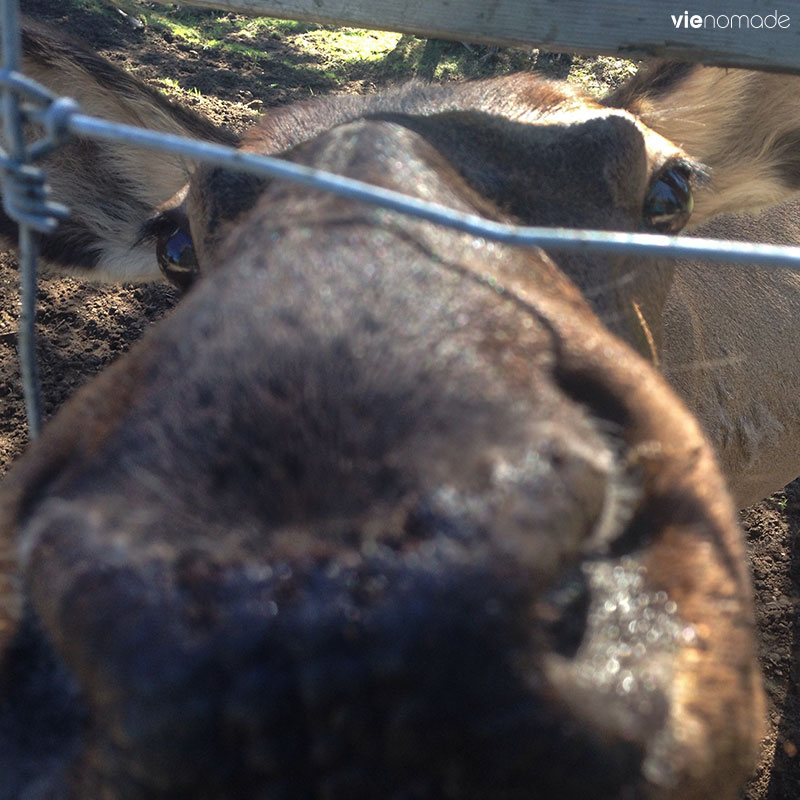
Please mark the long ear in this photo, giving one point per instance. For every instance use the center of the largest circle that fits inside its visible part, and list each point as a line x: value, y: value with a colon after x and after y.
x: 111, y: 190
x: 744, y: 125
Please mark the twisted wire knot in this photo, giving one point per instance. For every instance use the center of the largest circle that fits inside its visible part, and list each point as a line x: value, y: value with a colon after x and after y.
x: 26, y: 196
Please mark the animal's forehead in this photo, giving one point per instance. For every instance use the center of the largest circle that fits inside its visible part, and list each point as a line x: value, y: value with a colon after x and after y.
x: 522, y: 98
x: 454, y: 132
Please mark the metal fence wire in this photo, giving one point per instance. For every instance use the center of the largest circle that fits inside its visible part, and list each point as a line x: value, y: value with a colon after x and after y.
x: 26, y: 201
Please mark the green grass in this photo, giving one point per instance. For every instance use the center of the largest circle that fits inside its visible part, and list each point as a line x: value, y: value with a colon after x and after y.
x: 169, y: 83
x: 331, y: 51
x: 338, y: 54
x: 346, y: 46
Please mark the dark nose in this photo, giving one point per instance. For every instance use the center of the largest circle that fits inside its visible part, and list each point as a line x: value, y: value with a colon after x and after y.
x: 407, y: 653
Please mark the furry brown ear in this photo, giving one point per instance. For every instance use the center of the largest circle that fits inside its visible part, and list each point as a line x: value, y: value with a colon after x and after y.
x: 110, y: 190
x: 744, y: 125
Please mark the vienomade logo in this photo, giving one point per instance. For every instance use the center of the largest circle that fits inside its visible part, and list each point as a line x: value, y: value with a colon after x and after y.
x: 773, y: 20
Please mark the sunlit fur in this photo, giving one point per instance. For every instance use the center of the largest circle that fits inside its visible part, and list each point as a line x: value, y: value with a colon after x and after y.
x: 109, y: 189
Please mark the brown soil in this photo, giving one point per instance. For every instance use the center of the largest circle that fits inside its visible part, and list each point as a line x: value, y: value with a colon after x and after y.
x: 82, y: 328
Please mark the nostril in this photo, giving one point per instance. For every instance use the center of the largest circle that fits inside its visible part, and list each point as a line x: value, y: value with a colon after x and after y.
x: 563, y: 613
x: 620, y: 680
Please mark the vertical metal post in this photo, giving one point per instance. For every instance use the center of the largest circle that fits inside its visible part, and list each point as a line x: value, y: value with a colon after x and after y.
x: 28, y: 238
x: 28, y: 250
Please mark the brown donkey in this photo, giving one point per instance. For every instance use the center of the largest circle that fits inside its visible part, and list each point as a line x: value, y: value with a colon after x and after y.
x: 382, y: 510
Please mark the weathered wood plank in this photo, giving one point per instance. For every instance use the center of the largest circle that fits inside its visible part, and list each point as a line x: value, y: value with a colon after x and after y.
x: 766, y: 35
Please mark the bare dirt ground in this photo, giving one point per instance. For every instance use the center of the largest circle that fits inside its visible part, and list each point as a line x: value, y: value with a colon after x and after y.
x: 83, y: 327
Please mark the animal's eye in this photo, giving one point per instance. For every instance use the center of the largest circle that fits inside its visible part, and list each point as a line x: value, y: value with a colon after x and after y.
x: 669, y: 202
x: 176, y: 257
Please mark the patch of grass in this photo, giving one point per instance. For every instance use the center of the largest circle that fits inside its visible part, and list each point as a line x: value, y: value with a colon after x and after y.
x: 329, y: 51
x: 345, y: 46
x: 178, y: 28
x: 169, y: 83
x: 598, y: 74
x: 347, y: 54
x: 448, y: 68
x: 287, y: 27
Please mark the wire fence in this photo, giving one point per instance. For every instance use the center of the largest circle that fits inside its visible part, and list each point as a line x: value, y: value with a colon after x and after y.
x: 26, y: 200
